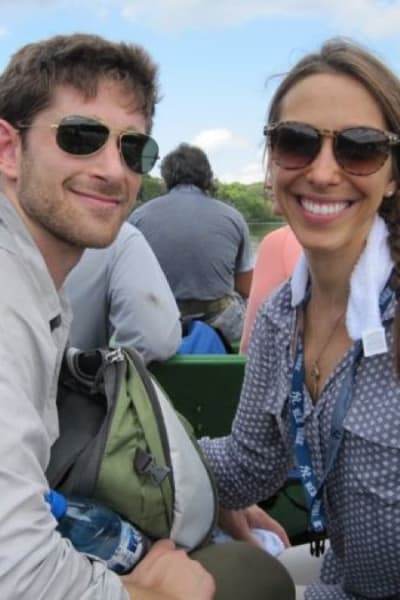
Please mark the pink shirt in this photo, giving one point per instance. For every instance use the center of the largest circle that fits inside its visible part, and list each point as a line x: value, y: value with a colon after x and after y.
x: 276, y: 258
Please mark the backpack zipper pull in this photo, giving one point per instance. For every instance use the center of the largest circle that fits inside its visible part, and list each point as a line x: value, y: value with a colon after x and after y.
x: 108, y: 358
x: 115, y: 355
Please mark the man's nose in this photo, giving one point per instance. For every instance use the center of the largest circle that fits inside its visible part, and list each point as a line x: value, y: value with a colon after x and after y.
x: 110, y: 159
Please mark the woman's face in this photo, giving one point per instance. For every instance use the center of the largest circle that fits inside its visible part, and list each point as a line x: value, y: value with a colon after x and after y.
x: 329, y: 209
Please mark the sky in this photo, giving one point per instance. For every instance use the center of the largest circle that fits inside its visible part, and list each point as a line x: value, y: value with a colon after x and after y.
x: 219, y: 59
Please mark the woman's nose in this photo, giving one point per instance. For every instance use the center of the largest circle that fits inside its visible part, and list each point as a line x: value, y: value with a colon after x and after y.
x: 324, y: 169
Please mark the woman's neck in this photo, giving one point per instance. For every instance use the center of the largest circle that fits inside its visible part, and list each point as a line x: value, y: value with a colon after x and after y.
x: 330, y: 277
x: 325, y: 336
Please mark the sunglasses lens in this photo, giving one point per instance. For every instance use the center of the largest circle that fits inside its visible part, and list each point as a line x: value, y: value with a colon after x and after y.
x: 294, y: 145
x: 85, y: 136
x: 81, y: 135
x: 140, y: 152
x: 361, y: 150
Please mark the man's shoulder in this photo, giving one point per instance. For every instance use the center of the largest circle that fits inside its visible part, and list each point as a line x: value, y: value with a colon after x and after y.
x: 228, y: 210
x: 127, y: 235
x: 24, y: 275
x: 130, y: 245
x: 147, y: 206
x: 14, y: 236
x: 20, y: 258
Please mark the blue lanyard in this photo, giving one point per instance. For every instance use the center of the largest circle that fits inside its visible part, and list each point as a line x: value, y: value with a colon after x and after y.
x: 313, y: 489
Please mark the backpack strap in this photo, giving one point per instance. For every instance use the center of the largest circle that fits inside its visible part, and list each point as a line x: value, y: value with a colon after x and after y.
x: 84, y: 411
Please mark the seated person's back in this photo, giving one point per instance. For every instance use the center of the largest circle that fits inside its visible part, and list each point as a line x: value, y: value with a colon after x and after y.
x: 202, y: 244
x: 120, y: 293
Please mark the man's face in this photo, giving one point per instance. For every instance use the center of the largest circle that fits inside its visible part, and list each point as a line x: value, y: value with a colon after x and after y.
x: 80, y: 201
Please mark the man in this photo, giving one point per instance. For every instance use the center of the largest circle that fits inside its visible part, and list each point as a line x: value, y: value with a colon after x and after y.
x: 120, y: 295
x: 202, y: 244
x: 75, y: 112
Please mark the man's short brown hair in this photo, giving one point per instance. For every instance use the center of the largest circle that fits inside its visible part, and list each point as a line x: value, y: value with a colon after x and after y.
x: 81, y: 61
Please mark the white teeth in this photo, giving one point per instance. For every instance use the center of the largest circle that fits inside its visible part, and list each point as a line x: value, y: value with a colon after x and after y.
x: 317, y: 208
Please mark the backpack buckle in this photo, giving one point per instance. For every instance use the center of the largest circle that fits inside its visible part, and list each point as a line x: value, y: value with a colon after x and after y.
x: 144, y: 464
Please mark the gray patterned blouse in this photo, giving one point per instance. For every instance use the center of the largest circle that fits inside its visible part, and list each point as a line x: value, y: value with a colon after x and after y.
x: 362, y: 492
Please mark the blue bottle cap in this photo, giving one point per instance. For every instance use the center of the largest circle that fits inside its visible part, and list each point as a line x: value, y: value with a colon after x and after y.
x: 58, y: 504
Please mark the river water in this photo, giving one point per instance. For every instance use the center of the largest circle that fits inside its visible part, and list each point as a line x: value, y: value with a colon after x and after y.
x: 259, y: 230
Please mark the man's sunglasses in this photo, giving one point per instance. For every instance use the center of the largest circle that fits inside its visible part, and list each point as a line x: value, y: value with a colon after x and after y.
x: 83, y: 136
x: 357, y: 150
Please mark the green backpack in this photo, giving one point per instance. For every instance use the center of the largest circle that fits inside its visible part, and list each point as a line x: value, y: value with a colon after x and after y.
x: 122, y: 443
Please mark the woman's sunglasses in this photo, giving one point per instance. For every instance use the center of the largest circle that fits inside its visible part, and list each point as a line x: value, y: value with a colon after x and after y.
x: 84, y: 136
x: 357, y: 150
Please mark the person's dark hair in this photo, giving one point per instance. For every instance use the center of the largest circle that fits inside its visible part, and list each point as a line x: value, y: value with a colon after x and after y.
x: 81, y: 61
x: 344, y: 57
x: 187, y: 165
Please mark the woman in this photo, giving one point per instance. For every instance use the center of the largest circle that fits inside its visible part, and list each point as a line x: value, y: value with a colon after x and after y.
x: 322, y: 383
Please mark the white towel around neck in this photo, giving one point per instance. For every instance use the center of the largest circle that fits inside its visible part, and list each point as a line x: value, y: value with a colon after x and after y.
x: 369, y: 276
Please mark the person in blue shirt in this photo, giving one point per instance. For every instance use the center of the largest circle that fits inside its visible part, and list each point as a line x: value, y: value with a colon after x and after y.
x: 202, y: 244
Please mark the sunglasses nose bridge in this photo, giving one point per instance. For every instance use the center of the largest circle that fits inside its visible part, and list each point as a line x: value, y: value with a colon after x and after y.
x: 327, y: 133
x: 111, y: 142
x: 118, y: 140
x: 324, y: 166
x: 115, y: 136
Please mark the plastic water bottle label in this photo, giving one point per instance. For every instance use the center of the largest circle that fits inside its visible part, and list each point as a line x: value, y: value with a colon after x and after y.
x: 130, y: 550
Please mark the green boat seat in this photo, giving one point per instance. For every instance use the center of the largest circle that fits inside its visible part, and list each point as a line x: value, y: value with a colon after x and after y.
x: 205, y: 388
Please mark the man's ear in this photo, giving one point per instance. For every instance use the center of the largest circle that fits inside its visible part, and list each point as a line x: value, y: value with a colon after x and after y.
x: 10, y: 146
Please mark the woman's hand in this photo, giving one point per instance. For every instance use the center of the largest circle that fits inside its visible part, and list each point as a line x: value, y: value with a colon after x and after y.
x: 239, y: 523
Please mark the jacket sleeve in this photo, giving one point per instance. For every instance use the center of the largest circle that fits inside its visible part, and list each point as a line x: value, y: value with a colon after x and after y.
x: 35, y: 562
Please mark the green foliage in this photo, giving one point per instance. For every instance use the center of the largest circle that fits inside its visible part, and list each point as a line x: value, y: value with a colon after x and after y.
x: 249, y: 199
x: 151, y: 188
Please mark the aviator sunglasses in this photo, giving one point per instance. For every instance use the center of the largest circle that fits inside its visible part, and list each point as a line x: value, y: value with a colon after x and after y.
x: 84, y: 136
x: 357, y: 150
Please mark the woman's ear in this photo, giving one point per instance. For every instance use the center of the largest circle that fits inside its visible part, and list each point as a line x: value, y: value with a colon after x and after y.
x: 10, y: 144
x: 390, y: 189
x: 267, y: 180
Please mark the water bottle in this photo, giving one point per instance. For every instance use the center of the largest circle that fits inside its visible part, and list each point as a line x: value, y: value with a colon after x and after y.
x: 97, y: 530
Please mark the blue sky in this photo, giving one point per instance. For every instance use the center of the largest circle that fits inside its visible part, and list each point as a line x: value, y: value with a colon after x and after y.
x: 215, y: 57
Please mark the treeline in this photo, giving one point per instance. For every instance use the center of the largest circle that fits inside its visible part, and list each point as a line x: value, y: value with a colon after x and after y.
x: 249, y: 199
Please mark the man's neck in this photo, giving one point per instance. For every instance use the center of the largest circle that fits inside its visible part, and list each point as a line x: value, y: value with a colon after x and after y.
x: 60, y: 257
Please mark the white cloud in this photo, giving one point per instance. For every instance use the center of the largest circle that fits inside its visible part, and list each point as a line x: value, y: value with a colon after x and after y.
x: 214, y: 140
x: 172, y: 15
x: 250, y: 173
x: 374, y: 18
x: 33, y: 3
